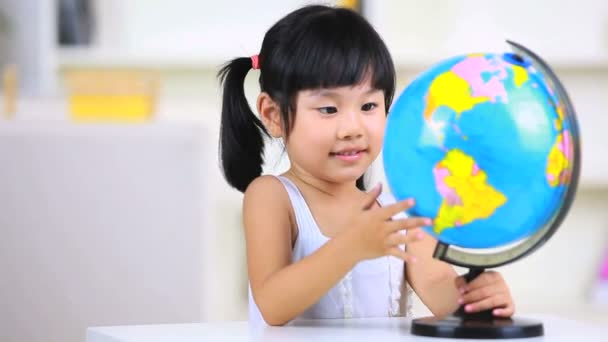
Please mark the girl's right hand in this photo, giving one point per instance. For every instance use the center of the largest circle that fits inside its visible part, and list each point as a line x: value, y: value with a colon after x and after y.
x: 372, y: 233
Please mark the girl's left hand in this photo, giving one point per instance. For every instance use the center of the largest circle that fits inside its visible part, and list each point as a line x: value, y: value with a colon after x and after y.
x: 488, y: 291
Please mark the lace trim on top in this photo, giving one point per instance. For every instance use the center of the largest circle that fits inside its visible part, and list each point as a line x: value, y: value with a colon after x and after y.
x: 409, y: 308
x: 346, y: 290
x: 395, y: 290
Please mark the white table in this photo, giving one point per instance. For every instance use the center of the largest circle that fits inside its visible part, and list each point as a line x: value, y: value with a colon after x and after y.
x: 368, y: 330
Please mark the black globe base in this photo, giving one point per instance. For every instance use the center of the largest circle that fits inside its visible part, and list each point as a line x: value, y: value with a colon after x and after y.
x: 460, y: 327
x: 478, y: 325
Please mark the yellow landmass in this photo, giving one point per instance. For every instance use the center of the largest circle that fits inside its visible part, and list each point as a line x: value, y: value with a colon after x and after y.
x: 520, y: 75
x: 450, y: 90
x: 557, y: 163
x: 560, y: 118
x: 479, y: 200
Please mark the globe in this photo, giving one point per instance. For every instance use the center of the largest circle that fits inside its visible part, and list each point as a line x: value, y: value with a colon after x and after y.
x: 481, y: 142
x: 488, y: 146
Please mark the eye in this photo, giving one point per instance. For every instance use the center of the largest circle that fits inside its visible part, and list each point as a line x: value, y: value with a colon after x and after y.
x: 368, y: 106
x: 328, y: 110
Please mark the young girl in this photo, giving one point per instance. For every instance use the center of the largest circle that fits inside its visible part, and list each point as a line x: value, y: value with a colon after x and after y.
x: 318, y: 245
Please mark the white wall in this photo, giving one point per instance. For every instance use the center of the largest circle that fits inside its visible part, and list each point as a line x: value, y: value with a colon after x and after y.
x: 567, y: 31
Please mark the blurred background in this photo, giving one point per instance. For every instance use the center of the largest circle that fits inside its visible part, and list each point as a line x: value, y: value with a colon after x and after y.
x: 112, y: 206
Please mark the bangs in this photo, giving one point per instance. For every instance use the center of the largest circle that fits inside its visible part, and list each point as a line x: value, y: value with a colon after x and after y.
x: 339, y: 51
x: 342, y: 58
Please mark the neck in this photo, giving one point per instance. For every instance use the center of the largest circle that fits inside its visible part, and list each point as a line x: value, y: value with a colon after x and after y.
x: 329, y: 188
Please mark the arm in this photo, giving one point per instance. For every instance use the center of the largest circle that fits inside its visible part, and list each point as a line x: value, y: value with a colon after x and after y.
x: 432, y: 279
x: 442, y: 290
x: 283, y: 290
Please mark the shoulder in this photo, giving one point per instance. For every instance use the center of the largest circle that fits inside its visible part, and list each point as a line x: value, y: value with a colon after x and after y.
x: 266, y: 198
x: 266, y: 188
x: 266, y: 182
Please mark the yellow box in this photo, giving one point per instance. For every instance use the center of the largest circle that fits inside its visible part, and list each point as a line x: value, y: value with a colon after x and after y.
x: 111, y: 95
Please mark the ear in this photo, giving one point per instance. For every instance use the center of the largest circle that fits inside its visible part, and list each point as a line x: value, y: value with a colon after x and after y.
x: 270, y: 114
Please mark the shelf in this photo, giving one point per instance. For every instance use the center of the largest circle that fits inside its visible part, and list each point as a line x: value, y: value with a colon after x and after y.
x: 96, y: 58
x: 154, y: 130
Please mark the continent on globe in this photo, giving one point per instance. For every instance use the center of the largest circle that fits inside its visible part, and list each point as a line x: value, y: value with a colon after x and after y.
x: 452, y: 91
x: 520, y: 75
x: 466, y: 194
x: 560, y: 118
x: 557, y: 163
x: 486, y: 76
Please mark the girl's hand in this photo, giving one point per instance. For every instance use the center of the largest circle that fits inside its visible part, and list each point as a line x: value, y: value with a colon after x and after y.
x: 488, y: 291
x: 372, y: 233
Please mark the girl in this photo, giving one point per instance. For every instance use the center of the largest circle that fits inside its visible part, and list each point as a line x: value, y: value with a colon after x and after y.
x: 318, y: 246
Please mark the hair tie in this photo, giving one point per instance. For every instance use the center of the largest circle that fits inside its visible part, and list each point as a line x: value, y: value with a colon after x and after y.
x: 255, y: 62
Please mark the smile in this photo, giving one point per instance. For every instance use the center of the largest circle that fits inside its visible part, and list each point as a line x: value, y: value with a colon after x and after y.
x: 352, y: 155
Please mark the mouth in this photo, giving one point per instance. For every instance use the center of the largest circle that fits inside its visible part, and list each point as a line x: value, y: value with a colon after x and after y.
x: 349, y: 155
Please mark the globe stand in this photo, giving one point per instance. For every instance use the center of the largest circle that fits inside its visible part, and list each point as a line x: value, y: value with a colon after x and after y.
x: 478, y: 325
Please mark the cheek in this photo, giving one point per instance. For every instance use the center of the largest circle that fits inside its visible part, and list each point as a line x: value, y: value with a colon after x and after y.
x: 308, y: 139
x: 376, y: 126
x: 315, y: 131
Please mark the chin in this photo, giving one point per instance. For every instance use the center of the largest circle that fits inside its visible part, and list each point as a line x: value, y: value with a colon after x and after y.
x: 347, y: 177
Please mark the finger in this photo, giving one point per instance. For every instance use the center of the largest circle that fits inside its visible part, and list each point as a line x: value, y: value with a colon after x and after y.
x: 486, y: 278
x: 401, y: 254
x: 372, y: 196
x: 506, y: 312
x: 395, y: 208
x: 396, y: 239
x: 407, y: 223
x: 497, y: 301
x: 460, y: 284
x: 480, y: 294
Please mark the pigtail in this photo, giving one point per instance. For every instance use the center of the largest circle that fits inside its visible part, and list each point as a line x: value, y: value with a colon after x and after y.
x: 241, y: 132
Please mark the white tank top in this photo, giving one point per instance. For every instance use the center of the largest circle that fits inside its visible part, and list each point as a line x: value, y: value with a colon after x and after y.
x: 373, y: 288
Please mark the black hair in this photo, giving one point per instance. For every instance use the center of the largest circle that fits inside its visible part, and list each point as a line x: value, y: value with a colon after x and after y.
x: 313, y: 47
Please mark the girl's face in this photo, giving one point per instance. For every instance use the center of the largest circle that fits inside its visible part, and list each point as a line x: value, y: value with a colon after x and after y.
x: 337, y: 132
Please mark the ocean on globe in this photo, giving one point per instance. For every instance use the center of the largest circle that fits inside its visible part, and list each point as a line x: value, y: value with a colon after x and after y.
x: 481, y: 143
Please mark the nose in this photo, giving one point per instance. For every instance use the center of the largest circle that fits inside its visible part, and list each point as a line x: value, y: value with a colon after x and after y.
x: 350, y: 126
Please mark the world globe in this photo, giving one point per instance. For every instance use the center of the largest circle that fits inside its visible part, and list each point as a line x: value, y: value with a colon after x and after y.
x: 488, y: 146
x: 483, y: 145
